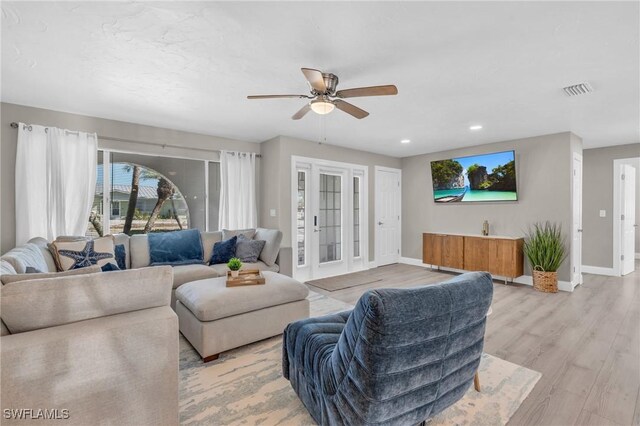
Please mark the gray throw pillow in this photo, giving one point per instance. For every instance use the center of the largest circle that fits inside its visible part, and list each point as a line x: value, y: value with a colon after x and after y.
x: 248, y: 250
x: 228, y: 233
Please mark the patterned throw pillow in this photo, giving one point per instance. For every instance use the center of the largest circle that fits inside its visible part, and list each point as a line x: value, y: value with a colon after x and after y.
x: 223, y: 251
x: 110, y: 267
x: 121, y: 256
x: 80, y: 254
x: 248, y: 250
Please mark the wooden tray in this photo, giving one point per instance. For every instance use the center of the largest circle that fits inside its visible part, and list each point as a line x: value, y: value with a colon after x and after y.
x: 246, y: 277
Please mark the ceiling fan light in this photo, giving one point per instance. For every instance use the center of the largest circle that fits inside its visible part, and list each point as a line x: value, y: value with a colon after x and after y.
x: 322, y: 107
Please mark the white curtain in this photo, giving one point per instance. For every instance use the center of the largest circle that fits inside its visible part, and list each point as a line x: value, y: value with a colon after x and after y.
x: 55, y: 181
x: 237, y: 190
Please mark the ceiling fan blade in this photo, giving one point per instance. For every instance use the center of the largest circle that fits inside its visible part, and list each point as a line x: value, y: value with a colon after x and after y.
x: 275, y: 96
x: 368, y: 91
x: 315, y: 79
x: 350, y: 109
x: 301, y: 112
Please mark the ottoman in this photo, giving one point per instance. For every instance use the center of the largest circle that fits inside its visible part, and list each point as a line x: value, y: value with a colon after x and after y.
x: 215, y: 318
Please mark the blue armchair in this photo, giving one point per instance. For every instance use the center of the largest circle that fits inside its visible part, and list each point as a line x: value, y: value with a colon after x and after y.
x: 399, y: 357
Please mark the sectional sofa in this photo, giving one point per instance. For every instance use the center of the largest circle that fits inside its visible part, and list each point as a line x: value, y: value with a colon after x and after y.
x: 94, y: 347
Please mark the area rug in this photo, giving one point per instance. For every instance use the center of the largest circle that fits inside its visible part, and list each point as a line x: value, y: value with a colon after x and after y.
x: 245, y: 386
x: 341, y: 282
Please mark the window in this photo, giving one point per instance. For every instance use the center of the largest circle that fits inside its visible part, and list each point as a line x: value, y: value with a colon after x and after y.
x: 356, y: 216
x: 115, y: 210
x: 154, y: 194
x: 301, y: 217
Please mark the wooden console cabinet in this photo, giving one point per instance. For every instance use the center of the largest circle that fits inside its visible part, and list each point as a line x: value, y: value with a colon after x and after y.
x: 497, y: 255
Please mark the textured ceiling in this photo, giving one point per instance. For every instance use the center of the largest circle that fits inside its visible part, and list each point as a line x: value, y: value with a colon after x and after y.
x: 190, y: 65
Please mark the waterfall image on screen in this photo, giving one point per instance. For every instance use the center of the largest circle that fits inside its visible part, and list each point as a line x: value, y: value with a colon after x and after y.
x: 486, y: 177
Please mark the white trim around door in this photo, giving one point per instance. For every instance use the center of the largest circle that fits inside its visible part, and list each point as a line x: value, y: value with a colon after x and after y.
x: 617, y: 209
x: 328, y: 197
x: 388, y: 215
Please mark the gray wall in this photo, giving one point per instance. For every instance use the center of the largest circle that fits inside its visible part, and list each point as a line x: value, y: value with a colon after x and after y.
x: 276, y: 167
x: 138, y: 138
x: 543, y: 167
x: 598, y: 195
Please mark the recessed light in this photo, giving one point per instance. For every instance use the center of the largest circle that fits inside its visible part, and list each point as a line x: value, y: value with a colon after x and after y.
x: 405, y: 141
x: 475, y: 127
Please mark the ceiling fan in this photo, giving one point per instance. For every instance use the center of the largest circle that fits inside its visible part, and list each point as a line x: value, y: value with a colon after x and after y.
x: 325, y: 98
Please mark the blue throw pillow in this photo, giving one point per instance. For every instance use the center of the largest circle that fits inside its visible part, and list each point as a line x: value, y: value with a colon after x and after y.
x: 121, y: 256
x: 223, y: 251
x: 108, y: 267
x: 176, y: 248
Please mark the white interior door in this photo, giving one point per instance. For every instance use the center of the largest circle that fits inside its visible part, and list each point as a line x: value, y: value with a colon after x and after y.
x: 576, y: 246
x: 628, y: 208
x: 388, y: 212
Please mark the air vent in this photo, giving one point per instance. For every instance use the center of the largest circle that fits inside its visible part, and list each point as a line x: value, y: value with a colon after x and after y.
x: 578, y: 89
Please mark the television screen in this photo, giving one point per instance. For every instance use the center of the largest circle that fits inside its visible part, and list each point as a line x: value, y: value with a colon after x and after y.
x: 486, y: 177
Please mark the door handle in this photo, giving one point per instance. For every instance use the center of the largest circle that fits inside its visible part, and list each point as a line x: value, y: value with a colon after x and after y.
x: 579, y: 230
x: 379, y: 223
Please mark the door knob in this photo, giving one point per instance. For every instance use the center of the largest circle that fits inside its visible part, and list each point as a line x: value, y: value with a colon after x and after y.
x: 379, y: 223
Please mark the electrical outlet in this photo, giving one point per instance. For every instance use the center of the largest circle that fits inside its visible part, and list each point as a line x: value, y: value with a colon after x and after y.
x: 272, y: 212
x: 603, y: 213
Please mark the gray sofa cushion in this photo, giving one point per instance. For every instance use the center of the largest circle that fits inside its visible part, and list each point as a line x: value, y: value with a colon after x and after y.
x: 229, y: 233
x: 35, y: 304
x: 273, y: 239
x: 28, y: 254
x: 4, y: 331
x: 139, y: 248
x: 6, y: 279
x: 187, y: 273
x: 222, y: 269
x: 211, y: 299
x: 208, y: 240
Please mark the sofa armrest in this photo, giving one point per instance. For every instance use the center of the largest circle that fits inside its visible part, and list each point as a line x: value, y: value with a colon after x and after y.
x: 35, y: 304
x: 285, y: 262
x: 120, y: 369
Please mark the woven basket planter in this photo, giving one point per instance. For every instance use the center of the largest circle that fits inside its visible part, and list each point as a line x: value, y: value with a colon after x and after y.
x: 546, y: 282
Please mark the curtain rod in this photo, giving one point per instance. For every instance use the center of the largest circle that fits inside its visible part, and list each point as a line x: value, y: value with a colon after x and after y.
x: 16, y: 125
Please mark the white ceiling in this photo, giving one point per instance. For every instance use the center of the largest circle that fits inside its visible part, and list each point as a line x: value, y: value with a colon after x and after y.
x: 189, y: 66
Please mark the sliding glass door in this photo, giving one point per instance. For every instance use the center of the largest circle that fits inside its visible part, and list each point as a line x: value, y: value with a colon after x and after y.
x: 327, y: 218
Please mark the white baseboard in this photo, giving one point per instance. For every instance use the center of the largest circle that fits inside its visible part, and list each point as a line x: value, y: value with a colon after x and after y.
x: 412, y: 261
x: 598, y: 270
x: 373, y: 264
x: 525, y: 279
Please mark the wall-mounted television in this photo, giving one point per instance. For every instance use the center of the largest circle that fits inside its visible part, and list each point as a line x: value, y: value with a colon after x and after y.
x: 477, y: 178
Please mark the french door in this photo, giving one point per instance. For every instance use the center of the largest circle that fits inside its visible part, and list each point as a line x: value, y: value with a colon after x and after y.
x: 329, y: 227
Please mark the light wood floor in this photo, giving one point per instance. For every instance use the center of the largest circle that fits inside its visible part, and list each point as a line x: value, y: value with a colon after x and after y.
x: 586, y: 344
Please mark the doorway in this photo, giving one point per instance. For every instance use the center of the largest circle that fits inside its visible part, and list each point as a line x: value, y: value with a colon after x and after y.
x: 329, y: 223
x: 624, y: 215
x: 388, y: 187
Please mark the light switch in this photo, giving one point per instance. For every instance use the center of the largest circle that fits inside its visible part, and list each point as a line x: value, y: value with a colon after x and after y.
x: 603, y: 213
x: 272, y: 212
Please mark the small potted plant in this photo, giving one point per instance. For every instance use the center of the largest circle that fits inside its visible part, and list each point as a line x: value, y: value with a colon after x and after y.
x: 234, y: 266
x: 545, y: 249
